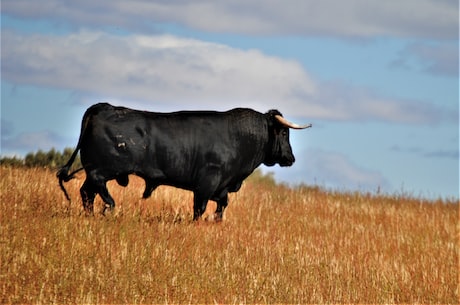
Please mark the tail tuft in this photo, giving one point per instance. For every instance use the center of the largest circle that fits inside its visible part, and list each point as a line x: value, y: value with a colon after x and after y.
x: 63, y: 175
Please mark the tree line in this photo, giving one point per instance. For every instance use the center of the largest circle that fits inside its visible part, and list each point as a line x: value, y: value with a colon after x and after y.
x: 51, y: 159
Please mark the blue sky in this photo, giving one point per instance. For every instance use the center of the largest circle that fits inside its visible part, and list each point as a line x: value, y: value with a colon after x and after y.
x: 377, y: 79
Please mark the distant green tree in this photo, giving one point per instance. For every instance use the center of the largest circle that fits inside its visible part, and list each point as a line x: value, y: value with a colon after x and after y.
x: 267, y: 179
x: 51, y: 159
x: 30, y: 160
x: 12, y: 161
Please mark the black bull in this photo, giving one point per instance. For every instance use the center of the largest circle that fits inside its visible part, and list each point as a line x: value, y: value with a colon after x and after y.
x: 207, y: 152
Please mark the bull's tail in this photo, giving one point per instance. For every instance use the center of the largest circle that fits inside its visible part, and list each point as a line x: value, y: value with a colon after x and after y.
x: 63, y: 173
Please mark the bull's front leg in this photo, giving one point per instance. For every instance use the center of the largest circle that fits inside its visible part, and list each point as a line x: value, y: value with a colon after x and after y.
x: 150, y: 186
x: 207, y: 187
x: 221, y: 205
x: 199, y: 205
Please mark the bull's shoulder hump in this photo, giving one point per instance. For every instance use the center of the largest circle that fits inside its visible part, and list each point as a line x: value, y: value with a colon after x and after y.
x: 108, y: 111
x: 99, y: 106
x: 242, y: 110
x: 106, y: 106
x: 245, y: 114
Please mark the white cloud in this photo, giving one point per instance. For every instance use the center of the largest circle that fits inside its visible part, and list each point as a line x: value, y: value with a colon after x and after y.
x: 191, y: 73
x: 160, y: 68
x: 433, y: 19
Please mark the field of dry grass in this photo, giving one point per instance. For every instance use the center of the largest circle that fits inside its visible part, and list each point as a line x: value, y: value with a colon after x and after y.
x: 276, y: 245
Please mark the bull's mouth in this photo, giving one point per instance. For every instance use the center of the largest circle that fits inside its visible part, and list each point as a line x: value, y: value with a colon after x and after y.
x: 286, y: 163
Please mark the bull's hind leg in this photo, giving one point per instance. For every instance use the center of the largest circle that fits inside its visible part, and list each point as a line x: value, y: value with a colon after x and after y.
x: 104, y: 193
x: 88, y: 192
x: 221, y: 205
x: 95, y: 185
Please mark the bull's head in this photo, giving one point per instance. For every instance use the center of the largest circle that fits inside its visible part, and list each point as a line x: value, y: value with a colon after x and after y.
x: 279, y: 148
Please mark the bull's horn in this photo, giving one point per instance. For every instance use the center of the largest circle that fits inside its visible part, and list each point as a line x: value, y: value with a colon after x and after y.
x: 286, y: 123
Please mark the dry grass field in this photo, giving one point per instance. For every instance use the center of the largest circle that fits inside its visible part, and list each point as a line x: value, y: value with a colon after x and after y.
x: 276, y: 245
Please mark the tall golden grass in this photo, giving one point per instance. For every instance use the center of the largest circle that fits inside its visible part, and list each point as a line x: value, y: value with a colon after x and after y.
x: 276, y: 245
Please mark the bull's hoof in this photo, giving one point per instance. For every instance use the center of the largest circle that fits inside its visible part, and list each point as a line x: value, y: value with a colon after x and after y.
x: 196, y: 216
x: 107, y: 207
x: 88, y: 210
x: 216, y: 217
x: 87, y: 213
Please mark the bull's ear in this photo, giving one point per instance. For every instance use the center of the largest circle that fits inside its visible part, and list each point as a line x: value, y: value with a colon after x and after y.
x: 271, y: 117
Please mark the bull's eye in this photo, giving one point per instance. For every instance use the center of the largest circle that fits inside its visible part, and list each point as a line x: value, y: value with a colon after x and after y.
x: 284, y: 133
